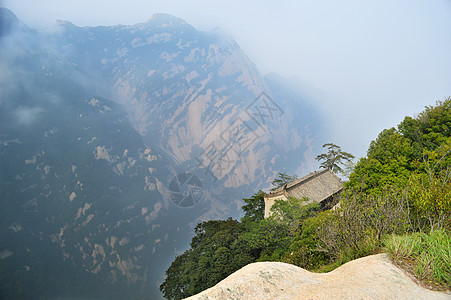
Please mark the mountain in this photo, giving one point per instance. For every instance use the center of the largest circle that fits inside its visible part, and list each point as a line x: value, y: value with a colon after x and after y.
x: 115, y: 141
x: 9, y: 23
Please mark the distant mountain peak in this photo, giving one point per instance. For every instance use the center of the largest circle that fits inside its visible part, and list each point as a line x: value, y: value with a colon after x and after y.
x: 65, y: 23
x: 165, y: 20
x: 9, y: 22
x: 7, y: 13
x: 163, y: 17
x: 161, y: 20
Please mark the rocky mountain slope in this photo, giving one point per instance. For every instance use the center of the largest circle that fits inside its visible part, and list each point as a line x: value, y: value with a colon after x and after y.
x: 115, y: 141
x: 371, y: 277
x: 189, y: 92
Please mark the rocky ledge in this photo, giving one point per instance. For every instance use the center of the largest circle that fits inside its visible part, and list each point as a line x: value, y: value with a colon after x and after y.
x: 371, y: 277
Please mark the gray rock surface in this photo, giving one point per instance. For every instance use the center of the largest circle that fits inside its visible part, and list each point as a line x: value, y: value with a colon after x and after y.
x: 371, y: 277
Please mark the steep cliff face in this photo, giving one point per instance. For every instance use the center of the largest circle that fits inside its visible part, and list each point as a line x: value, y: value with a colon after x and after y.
x: 186, y: 91
x: 106, y: 192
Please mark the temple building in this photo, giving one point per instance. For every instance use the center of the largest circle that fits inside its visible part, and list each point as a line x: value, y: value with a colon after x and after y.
x: 321, y: 186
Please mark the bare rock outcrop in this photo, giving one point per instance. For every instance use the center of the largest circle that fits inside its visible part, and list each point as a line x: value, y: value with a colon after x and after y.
x: 371, y: 277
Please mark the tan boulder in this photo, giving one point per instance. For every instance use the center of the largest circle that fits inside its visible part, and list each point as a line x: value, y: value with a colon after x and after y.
x: 371, y: 277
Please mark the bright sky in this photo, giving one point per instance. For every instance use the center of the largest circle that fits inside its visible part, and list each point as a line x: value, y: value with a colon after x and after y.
x: 371, y: 62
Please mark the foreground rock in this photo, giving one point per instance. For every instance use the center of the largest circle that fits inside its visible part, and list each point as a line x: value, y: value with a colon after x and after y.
x: 371, y: 277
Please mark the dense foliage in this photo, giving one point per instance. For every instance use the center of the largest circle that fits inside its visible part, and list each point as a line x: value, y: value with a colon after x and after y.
x: 402, y: 186
x: 216, y: 252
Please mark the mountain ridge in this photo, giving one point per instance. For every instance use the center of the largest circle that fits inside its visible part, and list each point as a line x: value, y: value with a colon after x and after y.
x: 107, y: 118
x: 9, y: 23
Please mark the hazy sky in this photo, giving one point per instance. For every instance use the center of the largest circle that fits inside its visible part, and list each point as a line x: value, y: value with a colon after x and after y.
x: 371, y: 62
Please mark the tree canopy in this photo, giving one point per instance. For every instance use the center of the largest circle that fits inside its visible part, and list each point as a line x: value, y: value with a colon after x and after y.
x: 282, y: 179
x: 335, y: 158
x: 254, y: 207
x: 397, y: 153
x: 216, y: 252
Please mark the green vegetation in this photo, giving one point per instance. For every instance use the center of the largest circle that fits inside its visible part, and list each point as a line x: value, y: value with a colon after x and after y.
x: 282, y: 179
x: 216, y: 251
x: 428, y: 256
x: 401, y: 187
x: 397, y: 199
x: 334, y: 158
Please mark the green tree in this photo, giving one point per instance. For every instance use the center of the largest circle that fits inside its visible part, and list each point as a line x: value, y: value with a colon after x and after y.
x: 216, y: 252
x: 397, y: 153
x: 293, y: 212
x: 388, y: 162
x: 254, y: 207
x: 305, y: 250
x: 335, y: 158
x: 267, y: 240
x: 282, y: 179
x: 430, y: 193
x: 271, y: 238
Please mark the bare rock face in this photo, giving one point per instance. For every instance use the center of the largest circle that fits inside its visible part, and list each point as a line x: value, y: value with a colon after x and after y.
x: 105, y: 131
x: 371, y: 277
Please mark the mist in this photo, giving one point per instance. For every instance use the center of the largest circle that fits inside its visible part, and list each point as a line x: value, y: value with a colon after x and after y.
x: 101, y: 122
x: 368, y: 64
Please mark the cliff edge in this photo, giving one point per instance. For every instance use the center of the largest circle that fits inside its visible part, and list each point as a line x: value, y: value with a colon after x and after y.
x: 371, y: 277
